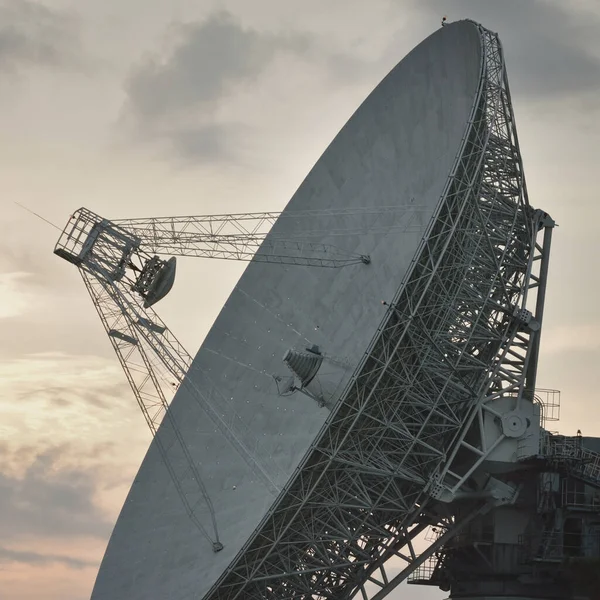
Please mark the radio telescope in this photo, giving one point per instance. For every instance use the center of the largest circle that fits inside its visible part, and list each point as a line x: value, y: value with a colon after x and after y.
x: 372, y: 375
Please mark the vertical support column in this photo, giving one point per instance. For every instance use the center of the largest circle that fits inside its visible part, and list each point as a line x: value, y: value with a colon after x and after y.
x: 548, y: 223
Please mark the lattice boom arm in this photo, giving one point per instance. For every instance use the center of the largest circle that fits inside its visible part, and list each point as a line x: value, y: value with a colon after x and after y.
x: 125, y: 248
x: 234, y: 237
x: 244, y: 223
x: 137, y: 357
x: 156, y: 364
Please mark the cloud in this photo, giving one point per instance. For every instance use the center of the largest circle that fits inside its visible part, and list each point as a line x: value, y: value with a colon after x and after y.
x: 189, y: 98
x: 71, y: 439
x: 84, y: 401
x: 34, y: 558
x: 551, y: 49
x: 209, y: 142
x: 64, y: 396
x: 181, y: 97
x: 176, y: 97
x: 574, y: 337
x: 56, y: 374
x: 47, y: 501
x: 207, y: 60
x: 14, y: 299
x: 34, y: 34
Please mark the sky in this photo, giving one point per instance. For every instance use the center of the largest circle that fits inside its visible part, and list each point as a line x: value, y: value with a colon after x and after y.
x: 143, y: 108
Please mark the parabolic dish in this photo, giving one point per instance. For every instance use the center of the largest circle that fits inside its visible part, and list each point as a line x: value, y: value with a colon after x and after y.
x: 397, y: 150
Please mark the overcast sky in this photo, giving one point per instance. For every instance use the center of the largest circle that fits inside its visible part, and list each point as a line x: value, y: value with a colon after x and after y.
x: 142, y: 108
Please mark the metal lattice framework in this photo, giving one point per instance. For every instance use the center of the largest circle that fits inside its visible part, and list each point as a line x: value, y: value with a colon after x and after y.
x: 406, y: 437
x: 154, y: 361
x: 457, y: 336
x: 120, y: 270
x: 229, y: 237
x: 168, y: 232
x: 148, y: 377
x: 156, y: 364
x: 243, y: 237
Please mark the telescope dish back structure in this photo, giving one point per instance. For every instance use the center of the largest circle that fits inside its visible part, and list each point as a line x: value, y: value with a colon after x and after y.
x: 406, y: 147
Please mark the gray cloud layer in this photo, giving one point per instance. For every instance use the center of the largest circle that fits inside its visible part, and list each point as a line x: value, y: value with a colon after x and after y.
x: 34, y: 558
x: 50, y: 502
x: 210, y: 141
x: 175, y: 96
x: 549, y: 46
x: 208, y: 60
x: 105, y: 399
x: 33, y: 34
x: 551, y: 51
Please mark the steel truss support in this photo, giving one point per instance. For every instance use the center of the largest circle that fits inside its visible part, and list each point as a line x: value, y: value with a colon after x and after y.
x: 132, y: 339
x: 387, y: 585
x: 230, y: 237
x: 239, y: 237
x: 459, y: 331
x: 124, y: 275
x: 512, y: 371
x: 156, y: 365
x: 119, y: 270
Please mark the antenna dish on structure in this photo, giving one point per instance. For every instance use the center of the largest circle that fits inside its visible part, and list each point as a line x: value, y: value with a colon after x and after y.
x: 304, y: 365
x: 434, y: 418
x: 156, y: 280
